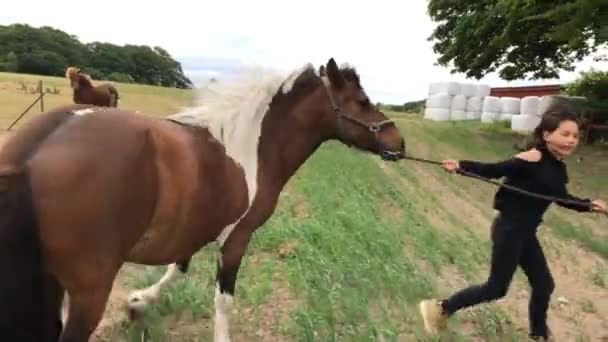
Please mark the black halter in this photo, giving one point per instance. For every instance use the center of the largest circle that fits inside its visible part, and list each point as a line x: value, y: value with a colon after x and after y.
x: 373, y: 127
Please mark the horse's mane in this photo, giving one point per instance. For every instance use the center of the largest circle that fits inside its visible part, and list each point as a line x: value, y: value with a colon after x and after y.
x: 245, y: 98
x: 249, y: 94
x: 83, y: 79
x: 233, y: 110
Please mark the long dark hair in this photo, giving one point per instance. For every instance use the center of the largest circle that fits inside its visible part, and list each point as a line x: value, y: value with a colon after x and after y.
x: 549, y: 122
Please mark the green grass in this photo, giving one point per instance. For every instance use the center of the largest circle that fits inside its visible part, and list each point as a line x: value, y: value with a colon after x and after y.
x: 370, y: 240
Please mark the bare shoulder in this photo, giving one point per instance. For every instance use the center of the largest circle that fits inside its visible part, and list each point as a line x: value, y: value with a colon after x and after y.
x: 532, y: 155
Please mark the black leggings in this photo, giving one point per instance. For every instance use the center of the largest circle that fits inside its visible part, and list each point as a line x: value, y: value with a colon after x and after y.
x: 512, y: 245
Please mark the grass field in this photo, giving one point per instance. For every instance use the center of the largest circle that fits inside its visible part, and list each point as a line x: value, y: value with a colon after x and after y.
x: 355, y: 243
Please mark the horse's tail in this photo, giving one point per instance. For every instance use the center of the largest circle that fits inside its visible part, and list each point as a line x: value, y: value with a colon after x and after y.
x: 22, y: 282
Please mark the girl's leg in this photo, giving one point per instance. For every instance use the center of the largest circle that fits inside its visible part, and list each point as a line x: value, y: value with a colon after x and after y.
x: 534, y: 264
x: 507, y: 247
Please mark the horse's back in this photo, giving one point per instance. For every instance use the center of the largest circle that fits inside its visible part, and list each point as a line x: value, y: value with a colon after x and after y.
x: 94, y: 183
x: 149, y: 190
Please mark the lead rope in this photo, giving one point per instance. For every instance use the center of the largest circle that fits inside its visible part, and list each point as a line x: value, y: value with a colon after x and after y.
x: 510, y: 187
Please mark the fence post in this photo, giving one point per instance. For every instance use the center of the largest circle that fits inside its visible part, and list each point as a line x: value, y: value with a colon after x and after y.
x: 41, y: 96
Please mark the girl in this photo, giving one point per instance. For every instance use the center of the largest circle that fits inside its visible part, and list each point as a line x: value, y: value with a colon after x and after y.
x: 540, y: 170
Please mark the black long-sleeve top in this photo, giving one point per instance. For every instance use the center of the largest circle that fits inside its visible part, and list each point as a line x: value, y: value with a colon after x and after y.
x: 548, y: 176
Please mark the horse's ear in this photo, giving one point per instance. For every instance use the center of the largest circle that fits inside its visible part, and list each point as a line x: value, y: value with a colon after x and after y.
x: 334, y: 74
x: 322, y: 70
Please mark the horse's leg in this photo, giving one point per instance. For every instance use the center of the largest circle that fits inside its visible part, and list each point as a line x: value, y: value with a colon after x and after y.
x: 229, y: 261
x: 53, y: 298
x: 140, y: 299
x: 86, y: 307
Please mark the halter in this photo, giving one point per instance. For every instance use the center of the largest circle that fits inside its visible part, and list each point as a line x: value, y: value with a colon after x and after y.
x: 373, y: 127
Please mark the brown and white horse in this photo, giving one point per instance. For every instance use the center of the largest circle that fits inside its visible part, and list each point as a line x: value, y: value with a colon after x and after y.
x: 85, y: 93
x: 84, y: 189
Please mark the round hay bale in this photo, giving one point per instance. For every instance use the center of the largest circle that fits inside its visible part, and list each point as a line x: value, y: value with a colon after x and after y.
x: 437, y: 114
x: 506, y: 116
x: 482, y: 90
x: 491, y: 104
x: 524, y: 123
x: 450, y: 88
x: 459, y: 102
x: 474, y: 104
x: 529, y: 105
x: 510, y: 105
x: 458, y: 115
x: 468, y: 89
x: 473, y: 115
x: 489, y: 117
x: 442, y: 101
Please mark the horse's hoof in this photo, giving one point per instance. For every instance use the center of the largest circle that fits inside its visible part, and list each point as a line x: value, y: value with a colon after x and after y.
x: 137, y: 303
x: 136, y: 314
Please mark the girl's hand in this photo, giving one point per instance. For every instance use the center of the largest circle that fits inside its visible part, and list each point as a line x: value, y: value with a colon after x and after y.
x: 450, y: 165
x: 599, y: 206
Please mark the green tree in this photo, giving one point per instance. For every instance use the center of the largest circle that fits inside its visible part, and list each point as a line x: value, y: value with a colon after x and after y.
x: 593, y: 85
x: 10, y: 62
x: 517, y: 38
x: 49, y: 51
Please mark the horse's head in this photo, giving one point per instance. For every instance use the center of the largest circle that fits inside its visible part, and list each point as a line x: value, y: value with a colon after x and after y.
x: 72, y: 74
x: 355, y: 121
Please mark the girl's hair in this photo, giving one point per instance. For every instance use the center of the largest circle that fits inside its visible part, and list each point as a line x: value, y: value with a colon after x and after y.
x: 549, y: 122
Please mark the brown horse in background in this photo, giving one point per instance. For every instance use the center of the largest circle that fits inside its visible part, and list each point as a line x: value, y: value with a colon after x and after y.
x: 85, y: 93
x: 84, y: 189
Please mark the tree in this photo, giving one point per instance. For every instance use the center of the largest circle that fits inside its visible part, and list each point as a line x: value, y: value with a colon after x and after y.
x: 9, y: 63
x: 48, y: 51
x: 517, y: 38
x: 593, y: 85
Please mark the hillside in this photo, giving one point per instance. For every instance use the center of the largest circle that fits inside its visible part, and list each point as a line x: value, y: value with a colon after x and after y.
x: 355, y: 243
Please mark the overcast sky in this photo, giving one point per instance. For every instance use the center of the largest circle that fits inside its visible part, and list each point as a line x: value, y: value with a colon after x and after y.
x: 385, y: 40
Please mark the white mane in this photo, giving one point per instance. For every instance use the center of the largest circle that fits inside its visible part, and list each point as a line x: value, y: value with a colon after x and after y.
x: 233, y: 111
x: 224, y: 104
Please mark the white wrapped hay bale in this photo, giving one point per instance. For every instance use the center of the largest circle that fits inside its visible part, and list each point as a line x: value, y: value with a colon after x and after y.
x: 474, y: 104
x: 442, y: 101
x: 491, y: 104
x: 450, y: 88
x: 468, y: 89
x: 482, y: 90
x: 510, y: 105
x: 543, y: 104
x: 459, y: 102
x: 529, y: 105
x: 505, y: 116
x: 488, y: 117
x: 437, y: 114
x: 458, y: 115
x: 473, y: 115
x: 524, y: 123
x: 575, y: 103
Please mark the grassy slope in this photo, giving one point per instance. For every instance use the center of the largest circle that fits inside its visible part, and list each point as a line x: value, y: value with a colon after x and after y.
x: 355, y: 244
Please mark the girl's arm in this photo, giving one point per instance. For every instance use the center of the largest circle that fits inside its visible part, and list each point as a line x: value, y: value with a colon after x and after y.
x: 499, y: 169
x: 584, y: 206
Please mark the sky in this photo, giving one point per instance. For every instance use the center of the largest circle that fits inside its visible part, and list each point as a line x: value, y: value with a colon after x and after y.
x: 385, y: 40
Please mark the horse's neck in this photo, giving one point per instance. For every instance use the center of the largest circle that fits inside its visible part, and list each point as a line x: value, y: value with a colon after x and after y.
x: 283, y: 150
x: 84, y: 83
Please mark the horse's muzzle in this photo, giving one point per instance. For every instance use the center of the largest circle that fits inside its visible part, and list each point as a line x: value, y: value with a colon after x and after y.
x: 392, y: 155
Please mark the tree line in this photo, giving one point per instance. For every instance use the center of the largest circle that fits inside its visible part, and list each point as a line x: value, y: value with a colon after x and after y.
x: 49, y: 51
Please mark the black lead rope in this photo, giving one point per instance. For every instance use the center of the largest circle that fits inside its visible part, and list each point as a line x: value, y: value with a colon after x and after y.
x: 510, y: 187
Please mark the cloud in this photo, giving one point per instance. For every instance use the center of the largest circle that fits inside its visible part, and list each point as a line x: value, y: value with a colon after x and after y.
x: 384, y: 39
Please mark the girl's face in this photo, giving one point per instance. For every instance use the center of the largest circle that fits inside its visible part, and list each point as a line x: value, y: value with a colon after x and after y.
x: 563, y: 141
